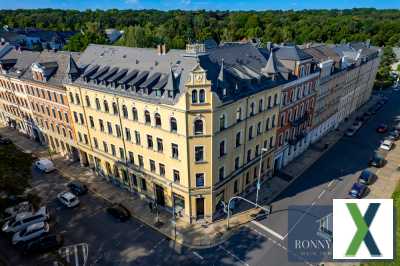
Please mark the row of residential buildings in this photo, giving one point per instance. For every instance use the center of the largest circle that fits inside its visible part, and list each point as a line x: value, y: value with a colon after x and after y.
x: 186, y: 128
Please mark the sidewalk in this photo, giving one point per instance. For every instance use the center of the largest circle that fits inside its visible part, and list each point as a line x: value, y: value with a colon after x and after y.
x: 195, y: 235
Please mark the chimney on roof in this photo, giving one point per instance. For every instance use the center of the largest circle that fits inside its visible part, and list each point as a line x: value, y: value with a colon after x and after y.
x: 164, y: 48
x: 159, y: 49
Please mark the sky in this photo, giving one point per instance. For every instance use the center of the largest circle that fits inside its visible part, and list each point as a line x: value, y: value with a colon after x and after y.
x: 200, y: 4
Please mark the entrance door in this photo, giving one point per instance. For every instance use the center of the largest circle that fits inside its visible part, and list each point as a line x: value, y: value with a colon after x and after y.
x: 200, y: 208
x: 160, y: 195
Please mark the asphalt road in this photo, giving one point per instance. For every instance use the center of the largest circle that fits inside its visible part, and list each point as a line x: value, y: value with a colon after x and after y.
x: 265, y: 243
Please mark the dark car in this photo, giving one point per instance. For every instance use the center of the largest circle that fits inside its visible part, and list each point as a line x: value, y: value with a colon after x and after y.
x: 360, y: 118
x: 5, y: 141
x: 119, y: 212
x: 394, y: 134
x: 377, y: 161
x: 77, y: 188
x: 358, y: 190
x: 382, y: 128
x: 366, y: 177
x: 44, y: 244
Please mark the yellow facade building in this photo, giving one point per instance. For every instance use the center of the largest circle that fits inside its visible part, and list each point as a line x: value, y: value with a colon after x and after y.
x: 184, y: 128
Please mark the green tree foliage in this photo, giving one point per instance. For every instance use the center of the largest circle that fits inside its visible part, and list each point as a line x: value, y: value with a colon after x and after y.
x: 383, y: 78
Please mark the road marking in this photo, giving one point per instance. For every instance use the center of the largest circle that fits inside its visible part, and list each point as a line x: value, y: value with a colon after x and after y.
x: 76, y: 255
x: 272, y: 232
x: 321, y: 194
x: 299, y: 220
x: 233, y: 255
x: 331, y: 183
x: 198, y: 255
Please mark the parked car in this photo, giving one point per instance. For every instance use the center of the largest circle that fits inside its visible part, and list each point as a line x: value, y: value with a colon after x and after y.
x: 119, y: 212
x: 45, y: 165
x: 358, y: 190
x: 68, y: 199
x: 366, y: 177
x: 44, y: 244
x: 31, y: 232
x: 382, y: 128
x: 23, y: 220
x: 356, y: 125
x: 396, y: 126
x: 5, y: 141
x: 386, y: 145
x: 360, y: 119
x: 377, y: 161
x: 395, y: 134
x: 21, y: 207
x: 77, y: 187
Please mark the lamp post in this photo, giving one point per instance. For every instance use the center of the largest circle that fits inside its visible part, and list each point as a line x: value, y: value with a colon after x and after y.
x: 259, y: 175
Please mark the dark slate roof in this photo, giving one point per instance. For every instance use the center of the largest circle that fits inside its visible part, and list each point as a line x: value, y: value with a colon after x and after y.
x: 292, y: 52
x: 60, y: 59
x: 24, y: 60
x: 322, y: 53
x: 146, y: 73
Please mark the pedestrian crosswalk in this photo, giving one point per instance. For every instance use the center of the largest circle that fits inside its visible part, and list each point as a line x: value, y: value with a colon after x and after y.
x: 74, y: 255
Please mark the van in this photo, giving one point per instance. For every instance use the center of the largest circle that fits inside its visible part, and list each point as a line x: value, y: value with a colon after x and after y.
x: 23, y: 220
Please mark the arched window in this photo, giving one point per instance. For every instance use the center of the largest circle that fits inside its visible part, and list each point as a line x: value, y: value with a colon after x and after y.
x: 238, y: 114
x: 157, y: 119
x: 115, y: 108
x: 134, y: 114
x: 173, y: 124
x: 98, y: 104
x: 198, y: 127
x: 124, y: 111
x: 147, y: 118
x: 194, y: 96
x: 87, y: 101
x: 106, y: 106
x: 252, y: 109
x: 202, y: 96
x: 222, y: 122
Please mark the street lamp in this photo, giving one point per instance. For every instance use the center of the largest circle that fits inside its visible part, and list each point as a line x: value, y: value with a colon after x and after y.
x: 259, y: 175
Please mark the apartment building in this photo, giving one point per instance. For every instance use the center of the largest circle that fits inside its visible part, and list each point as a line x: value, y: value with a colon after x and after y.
x: 44, y: 88
x: 15, y: 109
x: 347, y: 73
x: 297, y: 105
x: 183, y: 127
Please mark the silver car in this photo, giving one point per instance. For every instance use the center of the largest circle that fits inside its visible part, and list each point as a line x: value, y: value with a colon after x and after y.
x: 23, y: 220
x: 31, y: 232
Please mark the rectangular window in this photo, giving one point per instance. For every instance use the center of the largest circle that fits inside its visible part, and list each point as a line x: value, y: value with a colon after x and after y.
x: 113, y: 152
x: 76, y: 117
x: 127, y: 134
x: 152, y: 165
x: 149, y: 142
x: 160, y: 147
x: 162, y: 169
x: 91, y: 121
x: 238, y: 137
x: 199, y: 179
x: 131, y: 157
x: 66, y: 117
x: 237, y: 163
x: 96, y: 144
x: 121, y: 153
x: 101, y: 125
x: 222, y: 149
x: 141, y: 164
x: 105, y: 147
x: 248, y: 155
x: 175, y: 152
x: 118, y: 131
x: 86, y: 139
x: 199, y: 153
x: 79, y: 136
x: 221, y: 173
x: 250, y: 132
x: 137, y: 137
x: 143, y: 184
x: 109, y: 126
x: 177, y: 178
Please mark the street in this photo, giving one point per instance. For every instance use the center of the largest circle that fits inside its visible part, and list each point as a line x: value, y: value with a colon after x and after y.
x: 109, y: 242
